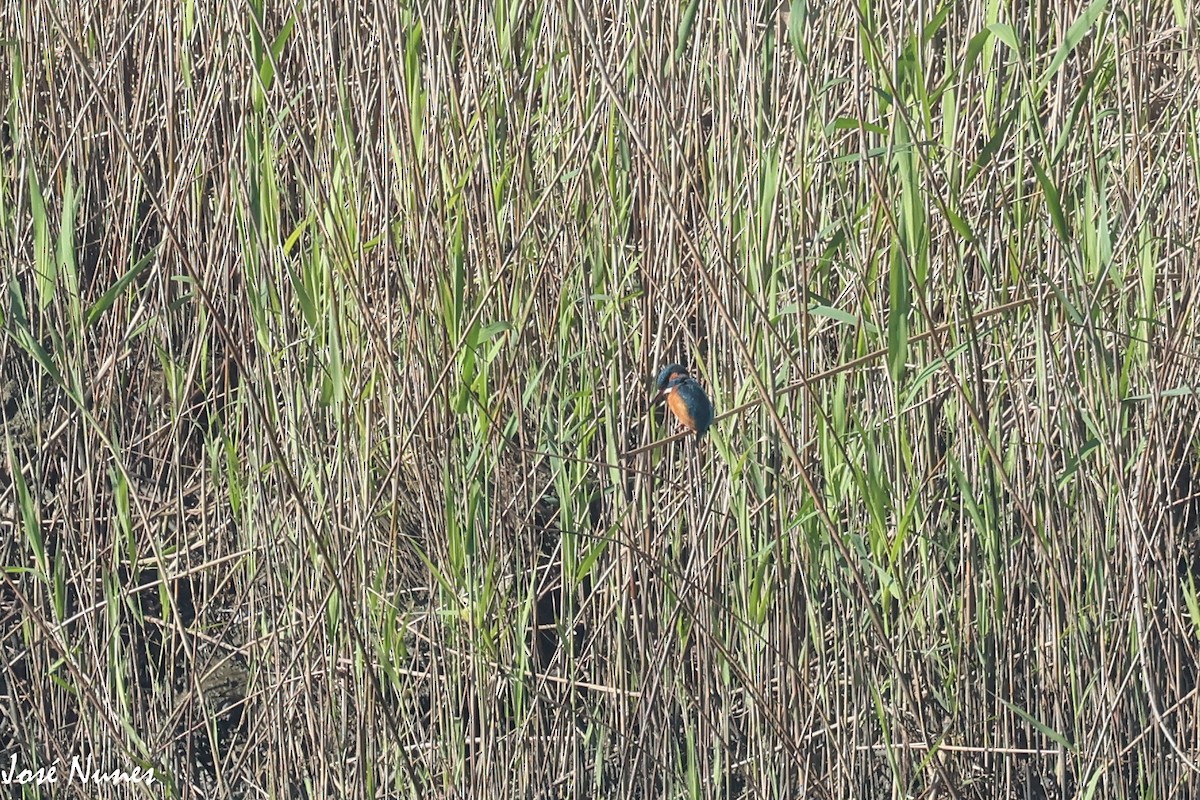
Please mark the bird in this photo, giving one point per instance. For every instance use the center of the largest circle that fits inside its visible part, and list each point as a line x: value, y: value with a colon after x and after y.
x: 685, y: 398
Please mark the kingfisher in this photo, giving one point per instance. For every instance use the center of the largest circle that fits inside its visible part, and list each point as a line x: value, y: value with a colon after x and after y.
x: 685, y: 398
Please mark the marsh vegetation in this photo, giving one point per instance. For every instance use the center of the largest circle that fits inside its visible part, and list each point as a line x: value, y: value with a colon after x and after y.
x: 328, y: 335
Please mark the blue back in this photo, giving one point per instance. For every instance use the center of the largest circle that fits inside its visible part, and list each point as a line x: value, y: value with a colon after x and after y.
x: 698, y: 405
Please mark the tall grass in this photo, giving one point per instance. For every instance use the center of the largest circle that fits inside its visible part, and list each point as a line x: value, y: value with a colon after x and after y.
x: 329, y: 465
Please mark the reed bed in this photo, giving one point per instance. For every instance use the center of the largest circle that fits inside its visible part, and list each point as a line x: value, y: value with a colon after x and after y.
x: 329, y: 468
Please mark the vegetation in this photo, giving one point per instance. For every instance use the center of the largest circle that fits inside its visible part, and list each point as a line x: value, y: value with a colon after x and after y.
x: 328, y: 341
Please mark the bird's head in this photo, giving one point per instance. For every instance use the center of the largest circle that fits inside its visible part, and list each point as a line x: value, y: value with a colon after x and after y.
x: 669, y: 373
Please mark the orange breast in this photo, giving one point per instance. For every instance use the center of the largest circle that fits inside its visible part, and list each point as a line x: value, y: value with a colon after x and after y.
x: 679, y: 408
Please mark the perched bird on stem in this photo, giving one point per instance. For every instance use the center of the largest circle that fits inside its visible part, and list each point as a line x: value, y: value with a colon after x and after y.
x: 685, y: 398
